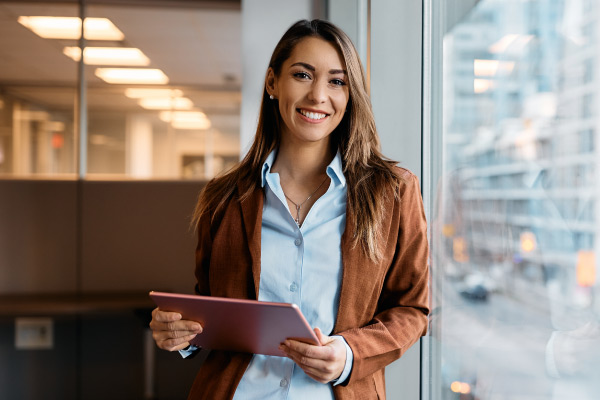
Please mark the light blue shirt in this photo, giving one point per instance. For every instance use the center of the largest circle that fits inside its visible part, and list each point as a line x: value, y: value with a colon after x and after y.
x: 301, y: 266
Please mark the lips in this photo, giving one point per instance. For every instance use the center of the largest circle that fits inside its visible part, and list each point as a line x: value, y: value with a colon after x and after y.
x: 312, y: 114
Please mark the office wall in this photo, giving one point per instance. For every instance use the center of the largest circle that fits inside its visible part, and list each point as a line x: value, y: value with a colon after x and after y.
x: 134, y: 236
x: 37, y: 236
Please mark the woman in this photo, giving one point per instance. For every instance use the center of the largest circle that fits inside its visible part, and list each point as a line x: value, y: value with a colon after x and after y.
x: 316, y: 216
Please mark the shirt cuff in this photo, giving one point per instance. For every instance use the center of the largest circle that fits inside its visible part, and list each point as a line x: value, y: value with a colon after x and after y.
x: 189, y: 351
x: 349, y: 360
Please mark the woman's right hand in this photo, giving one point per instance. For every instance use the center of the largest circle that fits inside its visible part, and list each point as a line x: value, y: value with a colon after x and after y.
x: 172, y: 333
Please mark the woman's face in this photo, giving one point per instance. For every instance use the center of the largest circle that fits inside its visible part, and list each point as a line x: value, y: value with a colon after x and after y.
x: 312, y: 91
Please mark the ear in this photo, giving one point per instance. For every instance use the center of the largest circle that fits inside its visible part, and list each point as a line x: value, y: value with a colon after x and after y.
x: 271, y: 83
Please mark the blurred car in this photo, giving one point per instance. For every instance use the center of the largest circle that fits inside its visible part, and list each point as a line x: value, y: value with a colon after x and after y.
x: 476, y: 287
x: 476, y: 292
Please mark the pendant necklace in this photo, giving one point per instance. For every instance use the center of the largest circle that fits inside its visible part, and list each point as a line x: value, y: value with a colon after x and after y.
x: 298, y: 206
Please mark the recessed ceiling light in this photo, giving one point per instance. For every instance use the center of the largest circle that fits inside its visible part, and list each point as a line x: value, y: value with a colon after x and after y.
x: 191, y: 124
x: 512, y: 43
x: 132, y: 75
x: 482, y: 85
x: 166, y: 103
x: 138, y: 93
x: 70, y: 28
x: 108, y: 55
x: 492, y: 67
x: 186, y: 119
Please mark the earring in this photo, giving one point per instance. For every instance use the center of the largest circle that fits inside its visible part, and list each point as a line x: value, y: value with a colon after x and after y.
x: 271, y: 97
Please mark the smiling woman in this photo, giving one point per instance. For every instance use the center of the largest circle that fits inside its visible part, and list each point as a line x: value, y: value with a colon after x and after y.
x: 352, y: 254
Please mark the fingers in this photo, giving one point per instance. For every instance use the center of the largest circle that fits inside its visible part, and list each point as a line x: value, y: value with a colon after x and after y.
x: 319, y: 370
x: 323, y: 339
x: 322, y: 363
x: 170, y: 332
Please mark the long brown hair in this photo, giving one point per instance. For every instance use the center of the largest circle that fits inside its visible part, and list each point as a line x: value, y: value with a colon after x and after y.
x: 370, y: 177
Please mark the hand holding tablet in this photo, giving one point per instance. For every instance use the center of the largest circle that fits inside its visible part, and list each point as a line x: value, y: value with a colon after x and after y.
x: 239, y: 325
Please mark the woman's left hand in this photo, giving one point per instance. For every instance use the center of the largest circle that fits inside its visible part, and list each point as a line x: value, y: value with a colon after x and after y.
x: 322, y: 363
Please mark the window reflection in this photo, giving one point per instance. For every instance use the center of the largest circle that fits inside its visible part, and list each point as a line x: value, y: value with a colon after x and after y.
x: 517, y: 257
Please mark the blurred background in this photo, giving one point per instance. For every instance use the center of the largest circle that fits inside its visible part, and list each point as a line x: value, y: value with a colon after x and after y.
x: 514, y: 224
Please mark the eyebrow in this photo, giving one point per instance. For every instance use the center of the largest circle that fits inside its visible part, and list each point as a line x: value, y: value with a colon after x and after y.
x: 311, y: 68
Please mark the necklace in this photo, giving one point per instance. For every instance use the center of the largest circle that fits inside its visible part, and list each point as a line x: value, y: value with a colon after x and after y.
x: 297, y: 219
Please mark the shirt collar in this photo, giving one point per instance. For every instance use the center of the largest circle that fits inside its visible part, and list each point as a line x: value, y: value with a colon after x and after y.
x: 334, y: 169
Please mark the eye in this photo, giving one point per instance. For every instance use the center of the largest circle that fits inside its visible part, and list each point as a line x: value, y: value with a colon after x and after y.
x: 302, y: 75
x: 338, y: 82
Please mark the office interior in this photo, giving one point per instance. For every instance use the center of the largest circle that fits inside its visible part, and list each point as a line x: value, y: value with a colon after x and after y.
x: 106, y: 139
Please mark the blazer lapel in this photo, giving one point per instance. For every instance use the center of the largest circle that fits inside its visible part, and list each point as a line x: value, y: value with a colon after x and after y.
x: 252, y: 208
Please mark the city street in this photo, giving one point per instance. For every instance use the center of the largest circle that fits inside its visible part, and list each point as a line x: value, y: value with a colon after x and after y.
x: 498, y: 346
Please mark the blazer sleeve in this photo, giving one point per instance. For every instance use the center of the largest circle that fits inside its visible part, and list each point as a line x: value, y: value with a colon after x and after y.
x: 403, y: 305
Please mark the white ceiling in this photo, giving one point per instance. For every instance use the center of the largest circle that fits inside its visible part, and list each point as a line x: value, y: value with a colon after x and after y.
x: 198, y: 48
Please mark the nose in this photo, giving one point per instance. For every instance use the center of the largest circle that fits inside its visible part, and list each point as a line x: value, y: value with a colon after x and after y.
x: 318, y: 92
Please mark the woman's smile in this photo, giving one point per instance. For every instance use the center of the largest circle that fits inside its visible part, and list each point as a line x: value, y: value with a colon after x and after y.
x: 312, y: 116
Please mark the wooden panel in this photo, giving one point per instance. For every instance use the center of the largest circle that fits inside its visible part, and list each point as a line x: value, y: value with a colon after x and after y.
x: 136, y: 236
x: 38, y: 233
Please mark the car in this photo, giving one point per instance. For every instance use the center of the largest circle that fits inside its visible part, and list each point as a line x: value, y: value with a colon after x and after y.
x: 476, y: 292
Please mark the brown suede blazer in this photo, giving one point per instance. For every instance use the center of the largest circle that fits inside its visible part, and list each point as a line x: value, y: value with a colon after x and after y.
x: 383, y: 306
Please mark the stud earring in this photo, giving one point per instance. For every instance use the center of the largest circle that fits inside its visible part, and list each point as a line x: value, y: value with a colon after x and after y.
x: 271, y: 97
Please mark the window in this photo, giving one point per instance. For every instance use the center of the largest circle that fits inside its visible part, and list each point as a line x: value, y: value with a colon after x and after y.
x: 515, y: 303
x: 160, y: 103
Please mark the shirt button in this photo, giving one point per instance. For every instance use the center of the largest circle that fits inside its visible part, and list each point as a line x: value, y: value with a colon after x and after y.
x: 298, y: 242
x: 283, y: 382
x: 293, y: 287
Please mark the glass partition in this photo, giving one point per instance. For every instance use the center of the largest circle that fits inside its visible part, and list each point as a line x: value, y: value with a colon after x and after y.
x: 163, y: 89
x: 514, y: 229
x: 166, y: 105
x: 38, y: 85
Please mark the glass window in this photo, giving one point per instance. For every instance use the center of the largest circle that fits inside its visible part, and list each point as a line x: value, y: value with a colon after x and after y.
x: 160, y: 102
x: 181, y: 123
x: 38, y: 87
x: 514, y: 249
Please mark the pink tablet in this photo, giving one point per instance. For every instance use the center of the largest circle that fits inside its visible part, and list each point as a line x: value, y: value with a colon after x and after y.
x: 240, y: 325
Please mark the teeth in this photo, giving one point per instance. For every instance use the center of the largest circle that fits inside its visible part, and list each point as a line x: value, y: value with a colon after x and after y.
x: 313, y: 115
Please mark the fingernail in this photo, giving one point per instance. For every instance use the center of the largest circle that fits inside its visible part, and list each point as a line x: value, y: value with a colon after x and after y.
x: 196, y: 328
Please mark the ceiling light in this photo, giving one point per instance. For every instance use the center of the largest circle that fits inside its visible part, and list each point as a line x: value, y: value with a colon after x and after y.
x: 166, y: 103
x: 108, y: 55
x: 70, y: 28
x: 491, y: 67
x: 514, y: 43
x: 501, y: 45
x: 191, y: 124
x: 138, y: 93
x: 132, y: 75
x: 186, y: 119
x: 482, y: 85
x: 485, y: 67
